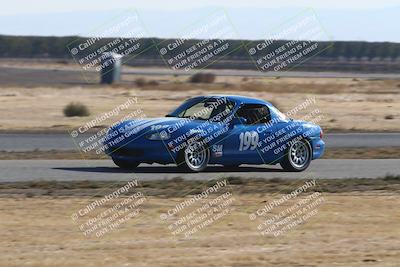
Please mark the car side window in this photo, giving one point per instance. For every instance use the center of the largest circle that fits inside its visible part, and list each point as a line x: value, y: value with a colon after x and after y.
x: 254, y: 114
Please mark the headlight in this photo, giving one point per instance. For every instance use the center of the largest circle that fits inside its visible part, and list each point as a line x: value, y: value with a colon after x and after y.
x: 159, y: 136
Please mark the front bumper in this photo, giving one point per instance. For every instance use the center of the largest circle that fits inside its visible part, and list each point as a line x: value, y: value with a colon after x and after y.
x: 142, y: 150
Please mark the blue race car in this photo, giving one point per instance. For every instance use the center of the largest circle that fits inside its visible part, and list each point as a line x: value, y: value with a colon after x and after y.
x: 220, y: 129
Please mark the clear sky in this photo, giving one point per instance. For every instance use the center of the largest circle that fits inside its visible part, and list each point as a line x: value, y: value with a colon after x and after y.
x: 14, y: 7
x: 344, y: 20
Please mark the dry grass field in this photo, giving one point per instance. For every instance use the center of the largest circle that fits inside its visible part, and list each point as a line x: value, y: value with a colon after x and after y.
x: 356, y: 224
x: 371, y: 106
x: 33, y: 100
x: 358, y: 229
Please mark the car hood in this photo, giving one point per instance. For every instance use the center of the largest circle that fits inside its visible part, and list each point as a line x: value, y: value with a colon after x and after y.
x: 139, y: 125
x: 169, y: 124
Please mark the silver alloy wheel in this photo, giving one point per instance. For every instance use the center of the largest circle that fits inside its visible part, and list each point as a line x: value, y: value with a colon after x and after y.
x: 196, y: 156
x: 299, y: 154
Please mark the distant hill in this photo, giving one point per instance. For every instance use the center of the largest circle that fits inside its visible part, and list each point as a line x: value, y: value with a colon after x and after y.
x: 338, y: 55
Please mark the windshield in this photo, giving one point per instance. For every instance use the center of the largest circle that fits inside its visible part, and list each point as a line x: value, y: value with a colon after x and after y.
x: 279, y: 114
x: 204, y: 109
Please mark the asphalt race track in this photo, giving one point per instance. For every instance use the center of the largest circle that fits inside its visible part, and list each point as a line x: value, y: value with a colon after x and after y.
x: 45, y: 142
x: 68, y: 170
x: 25, y: 170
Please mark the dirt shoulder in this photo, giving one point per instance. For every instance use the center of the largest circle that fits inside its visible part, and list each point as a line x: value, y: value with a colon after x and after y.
x: 330, y: 153
x: 357, y: 226
x: 177, y: 187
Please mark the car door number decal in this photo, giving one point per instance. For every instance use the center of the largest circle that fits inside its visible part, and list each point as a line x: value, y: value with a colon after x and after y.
x: 248, y: 140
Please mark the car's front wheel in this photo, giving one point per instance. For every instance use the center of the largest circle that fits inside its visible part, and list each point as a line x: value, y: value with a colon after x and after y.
x: 297, y: 157
x: 125, y: 164
x: 195, y: 157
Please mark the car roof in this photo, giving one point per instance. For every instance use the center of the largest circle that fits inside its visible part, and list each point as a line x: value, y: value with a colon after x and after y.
x: 239, y: 99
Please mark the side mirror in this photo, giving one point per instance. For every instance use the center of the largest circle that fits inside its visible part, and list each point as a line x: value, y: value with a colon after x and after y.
x: 238, y: 121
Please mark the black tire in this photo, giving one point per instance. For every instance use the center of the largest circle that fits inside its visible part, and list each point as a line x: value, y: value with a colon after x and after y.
x: 297, y: 157
x: 124, y: 164
x: 187, y: 163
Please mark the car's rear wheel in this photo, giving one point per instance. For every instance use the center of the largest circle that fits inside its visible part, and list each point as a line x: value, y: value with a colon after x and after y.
x: 297, y: 157
x: 126, y: 164
x: 195, y: 157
